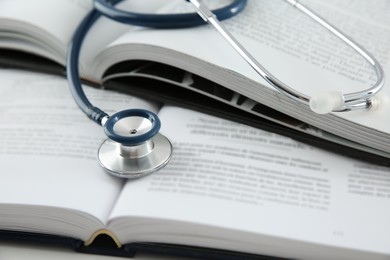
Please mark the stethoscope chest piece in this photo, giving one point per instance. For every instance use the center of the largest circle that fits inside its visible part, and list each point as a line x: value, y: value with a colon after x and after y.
x: 134, y: 147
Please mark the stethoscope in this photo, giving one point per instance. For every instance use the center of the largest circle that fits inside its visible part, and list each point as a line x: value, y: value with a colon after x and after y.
x: 135, y: 147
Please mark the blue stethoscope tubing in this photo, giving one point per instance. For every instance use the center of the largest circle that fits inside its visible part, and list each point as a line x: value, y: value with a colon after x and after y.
x: 128, y: 143
x: 165, y: 21
x: 145, y: 20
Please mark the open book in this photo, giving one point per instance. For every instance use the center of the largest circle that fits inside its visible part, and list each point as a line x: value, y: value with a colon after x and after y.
x: 229, y: 188
x: 178, y: 65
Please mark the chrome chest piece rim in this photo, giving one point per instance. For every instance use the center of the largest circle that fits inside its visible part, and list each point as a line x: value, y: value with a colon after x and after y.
x: 135, y: 161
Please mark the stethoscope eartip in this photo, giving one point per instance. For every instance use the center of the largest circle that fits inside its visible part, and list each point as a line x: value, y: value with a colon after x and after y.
x: 380, y: 100
x: 326, y: 102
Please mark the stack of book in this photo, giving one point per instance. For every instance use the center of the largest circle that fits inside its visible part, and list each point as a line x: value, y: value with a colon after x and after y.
x: 254, y: 174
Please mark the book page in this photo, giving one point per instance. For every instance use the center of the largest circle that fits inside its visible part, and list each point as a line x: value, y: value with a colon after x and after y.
x: 49, y: 24
x: 95, y: 41
x: 240, y: 188
x: 48, y: 152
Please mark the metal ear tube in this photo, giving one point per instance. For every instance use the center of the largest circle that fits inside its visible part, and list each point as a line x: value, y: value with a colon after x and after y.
x: 333, y: 101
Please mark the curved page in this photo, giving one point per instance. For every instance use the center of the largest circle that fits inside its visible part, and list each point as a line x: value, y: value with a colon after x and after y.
x: 50, y: 178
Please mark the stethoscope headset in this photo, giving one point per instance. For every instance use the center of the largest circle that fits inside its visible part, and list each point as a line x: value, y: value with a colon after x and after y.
x: 135, y: 147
